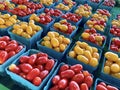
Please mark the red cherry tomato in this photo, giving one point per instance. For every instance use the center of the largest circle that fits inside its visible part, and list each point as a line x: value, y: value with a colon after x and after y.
x: 84, y: 86
x: 37, y: 81
x: 78, y: 78
x: 56, y: 79
x: 64, y: 67
x: 62, y: 84
x: 43, y: 74
x: 11, y: 53
x: 3, y: 44
x: 32, y: 74
x: 19, y: 48
x: 26, y: 68
x: 24, y: 59
x: 101, y: 87
x: 77, y: 68
x: 74, y: 86
x: 32, y: 59
x: 3, y: 56
x: 111, y: 87
x: 67, y: 74
x: 5, y: 38
x: 49, y: 65
x: 11, y: 47
x: 88, y: 80
x: 41, y: 60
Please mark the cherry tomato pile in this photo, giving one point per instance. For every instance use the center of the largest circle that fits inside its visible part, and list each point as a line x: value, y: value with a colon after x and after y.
x: 8, y: 48
x: 85, y: 53
x: 95, y: 1
x: 33, y: 68
x: 22, y: 11
x: 115, y: 44
x: 34, y: 5
x: 19, y: 1
x: 110, y: 3
x: 53, y: 12
x: 112, y: 64
x: 72, y: 17
x: 72, y: 78
x: 42, y: 18
x: 94, y: 37
x: 104, y: 86
x: 64, y: 26
x: 98, y: 20
x: 115, y: 27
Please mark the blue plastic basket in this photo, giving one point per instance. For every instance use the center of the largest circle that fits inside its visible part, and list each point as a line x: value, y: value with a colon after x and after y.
x: 10, y: 60
x: 98, y: 80
x: 93, y: 4
x: 51, y: 52
x: 40, y: 10
x: 23, y: 82
x: 81, y: 1
x: 95, y: 45
x: 109, y: 8
x: 109, y: 47
x: 51, y: 6
x: 4, y: 11
x: 101, y: 32
x: 46, y: 28
x: 24, y: 18
x: 84, y: 19
x: 73, y: 61
x: 49, y: 84
x: 4, y: 31
x: 57, y: 1
x: 30, y: 43
x: 66, y: 35
x: 107, y: 77
x: 74, y: 23
x: 64, y: 11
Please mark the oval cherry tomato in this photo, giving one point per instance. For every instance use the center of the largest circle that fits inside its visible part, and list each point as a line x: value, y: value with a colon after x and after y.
x: 67, y: 74
x: 77, y: 68
x: 26, y: 68
x: 24, y: 59
x: 43, y: 74
x: 37, y: 81
x: 62, y: 84
x: 32, y: 74
x: 49, y: 65
x: 41, y: 60
x: 84, y: 86
x: 32, y: 59
x: 88, y: 80
x: 3, y: 44
x: 56, y: 79
x: 74, y: 86
x: 78, y: 78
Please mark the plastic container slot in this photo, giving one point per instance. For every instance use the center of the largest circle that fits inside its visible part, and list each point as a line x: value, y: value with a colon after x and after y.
x: 73, y: 61
x: 23, y: 82
x: 52, y: 52
x: 30, y: 43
